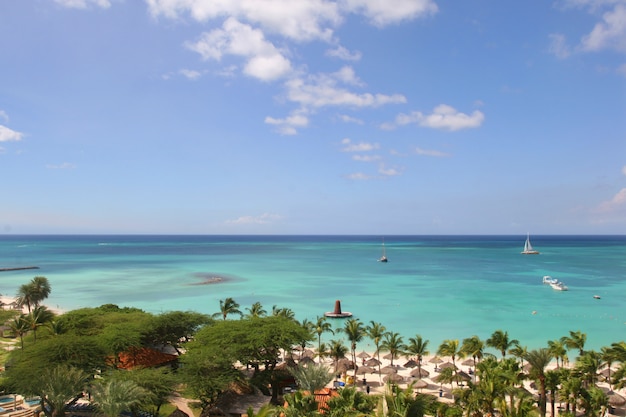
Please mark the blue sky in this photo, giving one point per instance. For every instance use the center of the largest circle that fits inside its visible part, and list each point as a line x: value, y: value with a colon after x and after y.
x: 313, y: 116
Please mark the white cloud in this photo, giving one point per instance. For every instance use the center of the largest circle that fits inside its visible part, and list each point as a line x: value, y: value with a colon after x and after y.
x: 301, y: 20
x: 443, y: 117
x: 64, y: 165
x: 4, y: 116
x: 385, y: 12
x: 83, y: 4
x: 349, y: 119
x: 264, y: 60
x: 608, y: 34
x: 430, y: 152
x: 349, y: 146
x: 617, y: 203
x: 264, y: 218
x: 342, y: 53
x: 289, y: 125
x: 8, y: 135
x: 366, y: 158
x: 359, y: 176
x: 190, y: 74
x: 558, y: 46
x: 388, y: 172
x: 324, y: 90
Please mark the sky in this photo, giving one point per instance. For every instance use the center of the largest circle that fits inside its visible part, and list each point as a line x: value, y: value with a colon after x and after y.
x: 374, y: 117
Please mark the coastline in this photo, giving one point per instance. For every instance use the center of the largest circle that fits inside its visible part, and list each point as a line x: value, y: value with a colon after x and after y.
x: 9, y: 301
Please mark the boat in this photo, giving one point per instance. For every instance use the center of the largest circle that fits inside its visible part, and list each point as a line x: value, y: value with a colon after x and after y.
x: 528, y: 248
x: 384, y: 257
x: 559, y: 286
x: 597, y: 297
x: 547, y: 279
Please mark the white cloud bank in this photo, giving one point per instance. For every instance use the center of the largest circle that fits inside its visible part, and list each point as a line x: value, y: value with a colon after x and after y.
x: 264, y: 218
x: 8, y: 135
x: 443, y: 117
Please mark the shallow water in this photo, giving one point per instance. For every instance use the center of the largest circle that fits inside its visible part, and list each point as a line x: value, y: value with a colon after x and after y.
x: 441, y: 287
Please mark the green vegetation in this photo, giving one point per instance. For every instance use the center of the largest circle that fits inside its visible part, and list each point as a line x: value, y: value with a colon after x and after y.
x: 58, y: 358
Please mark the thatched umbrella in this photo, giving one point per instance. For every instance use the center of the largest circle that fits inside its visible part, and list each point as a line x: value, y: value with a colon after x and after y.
x: 394, y: 378
x: 306, y: 360
x: 411, y: 363
x: 389, y: 356
x: 435, y: 359
x: 362, y: 370
x: 178, y: 413
x: 363, y: 355
x: 615, y: 399
x: 420, y: 383
x: 387, y: 370
x: 447, y: 365
x: 419, y: 373
x: 372, y: 362
x: 463, y: 376
x: 467, y: 362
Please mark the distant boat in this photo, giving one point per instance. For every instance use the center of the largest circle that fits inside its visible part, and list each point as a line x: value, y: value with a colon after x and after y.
x: 384, y: 257
x: 547, y: 279
x: 559, y: 286
x: 528, y: 248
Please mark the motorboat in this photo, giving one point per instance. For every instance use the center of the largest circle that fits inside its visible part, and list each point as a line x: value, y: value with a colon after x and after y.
x: 559, y: 286
x: 547, y: 279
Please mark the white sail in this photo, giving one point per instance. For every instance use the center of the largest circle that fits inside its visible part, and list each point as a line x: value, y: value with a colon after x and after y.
x: 528, y: 248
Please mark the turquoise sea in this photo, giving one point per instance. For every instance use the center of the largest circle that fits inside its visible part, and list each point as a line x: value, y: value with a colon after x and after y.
x: 441, y: 287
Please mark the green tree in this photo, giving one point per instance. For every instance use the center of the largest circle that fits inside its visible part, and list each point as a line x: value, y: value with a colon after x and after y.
x: 337, y: 351
x: 159, y: 382
x: 228, y: 307
x: 58, y: 387
x: 39, y: 316
x: 113, y: 396
x: 300, y: 404
x: 311, y: 378
x: 417, y: 347
x: 575, y: 340
x: 500, y: 341
x: 256, y: 310
x: 355, y: 331
x: 538, y: 360
x: 450, y: 347
x: 351, y: 403
x: 558, y: 350
x: 392, y: 343
x: 19, y: 325
x: 376, y: 331
x: 473, y: 347
x: 587, y: 366
x: 320, y: 327
x: 173, y: 328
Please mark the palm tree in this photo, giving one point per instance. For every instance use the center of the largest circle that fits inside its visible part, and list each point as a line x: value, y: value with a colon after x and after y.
x: 337, y: 351
x: 500, y: 340
x: 473, y: 347
x: 575, y: 340
x: 553, y: 381
x: 283, y: 312
x: 393, y: 343
x: 519, y: 352
x: 354, y: 330
x: 418, y: 347
x: 25, y: 296
x: 228, y: 306
x: 256, y: 310
x: 311, y: 378
x: 587, y: 367
x: 40, y: 316
x: 41, y: 289
x: 300, y: 404
x: 558, y: 350
x: 320, y: 327
x: 115, y: 396
x: 19, y: 325
x: 59, y: 386
x: 376, y: 331
x: 538, y: 361
x: 450, y: 348
x: 351, y: 403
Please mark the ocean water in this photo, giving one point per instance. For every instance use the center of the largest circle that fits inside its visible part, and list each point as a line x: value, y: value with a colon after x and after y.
x: 440, y: 287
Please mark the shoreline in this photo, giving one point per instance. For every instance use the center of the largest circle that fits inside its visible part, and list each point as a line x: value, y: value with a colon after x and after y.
x: 8, y: 301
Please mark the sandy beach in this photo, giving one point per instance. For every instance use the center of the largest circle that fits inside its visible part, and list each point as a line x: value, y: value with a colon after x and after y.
x: 9, y: 302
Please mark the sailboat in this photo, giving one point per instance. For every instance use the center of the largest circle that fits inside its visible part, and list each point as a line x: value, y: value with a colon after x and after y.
x: 384, y: 257
x: 528, y: 248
